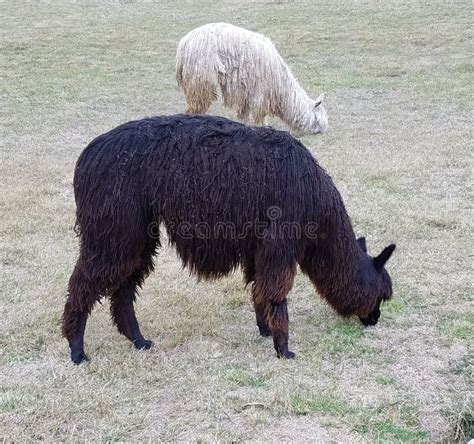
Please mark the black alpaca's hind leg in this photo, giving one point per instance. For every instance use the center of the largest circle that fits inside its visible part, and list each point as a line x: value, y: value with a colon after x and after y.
x: 123, y: 314
x: 80, y: 301
x: 75, y: 335
x: 123, y: 298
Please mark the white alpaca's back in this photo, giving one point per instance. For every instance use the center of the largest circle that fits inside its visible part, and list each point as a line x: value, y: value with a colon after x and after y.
x: 251, y: 76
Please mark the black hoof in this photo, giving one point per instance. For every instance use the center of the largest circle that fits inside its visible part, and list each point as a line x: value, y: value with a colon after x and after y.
x: 143, y: 344
x: 78, y: 356
x: 286, y: 355
x: 264, y: 331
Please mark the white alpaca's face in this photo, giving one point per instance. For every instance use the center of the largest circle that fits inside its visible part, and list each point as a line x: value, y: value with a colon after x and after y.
x: 320, y: 123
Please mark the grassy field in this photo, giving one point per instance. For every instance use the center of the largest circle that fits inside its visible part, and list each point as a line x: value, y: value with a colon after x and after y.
x: 398, y: 83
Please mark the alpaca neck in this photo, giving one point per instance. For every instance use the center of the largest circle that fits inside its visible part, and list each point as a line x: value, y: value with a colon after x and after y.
x: 341, y: 272
x: 296, y: 107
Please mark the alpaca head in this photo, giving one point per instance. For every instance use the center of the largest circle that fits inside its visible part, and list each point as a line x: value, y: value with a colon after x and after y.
x: 319, y: 121
x: 383, y: 283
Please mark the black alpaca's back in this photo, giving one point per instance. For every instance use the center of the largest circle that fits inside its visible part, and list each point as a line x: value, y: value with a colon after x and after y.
x: 214, y: 183
x: 228, y: 195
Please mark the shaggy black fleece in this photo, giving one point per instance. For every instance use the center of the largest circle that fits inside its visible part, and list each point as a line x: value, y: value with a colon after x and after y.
x: 228, y: 195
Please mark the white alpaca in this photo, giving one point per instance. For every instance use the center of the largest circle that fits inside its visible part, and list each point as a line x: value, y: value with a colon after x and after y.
x: 252, y: 77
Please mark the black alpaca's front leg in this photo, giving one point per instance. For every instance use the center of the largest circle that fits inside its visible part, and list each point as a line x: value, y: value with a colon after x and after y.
x: 279, y: 324
x: 269, y: 296
x: 260, y: 315
x: 123, y: 314
x: 259, y: 306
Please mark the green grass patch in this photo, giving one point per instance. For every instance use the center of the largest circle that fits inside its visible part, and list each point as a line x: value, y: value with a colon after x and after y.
x: 234, y: 301
x: 10, y: 402
x: 394, y: 306
x: 386, y: 380
x: 325, y: 404
x: 382, y: 182
x: 113, y: 434
x: 456, y: 328
x: 18, y: 356
x: 390, y: 71
x: 464, y: 367
x: 345, y: 337
x: 388, y: 431
x: 243, y: 378
x: 466, y: 425
x: 393, y: 422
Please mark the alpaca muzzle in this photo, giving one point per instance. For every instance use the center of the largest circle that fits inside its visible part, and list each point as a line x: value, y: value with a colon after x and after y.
x: 372, y: 319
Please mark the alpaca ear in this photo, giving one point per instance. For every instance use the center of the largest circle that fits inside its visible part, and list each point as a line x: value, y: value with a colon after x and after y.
x: 362, y: 244
x: 383, y: 257
x: 319, y: 100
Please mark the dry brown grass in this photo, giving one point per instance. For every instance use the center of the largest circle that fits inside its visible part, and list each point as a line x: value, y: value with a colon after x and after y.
x: 398, y: 80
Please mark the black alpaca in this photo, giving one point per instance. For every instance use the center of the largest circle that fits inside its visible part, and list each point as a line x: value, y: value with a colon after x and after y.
x: 228, y: 195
